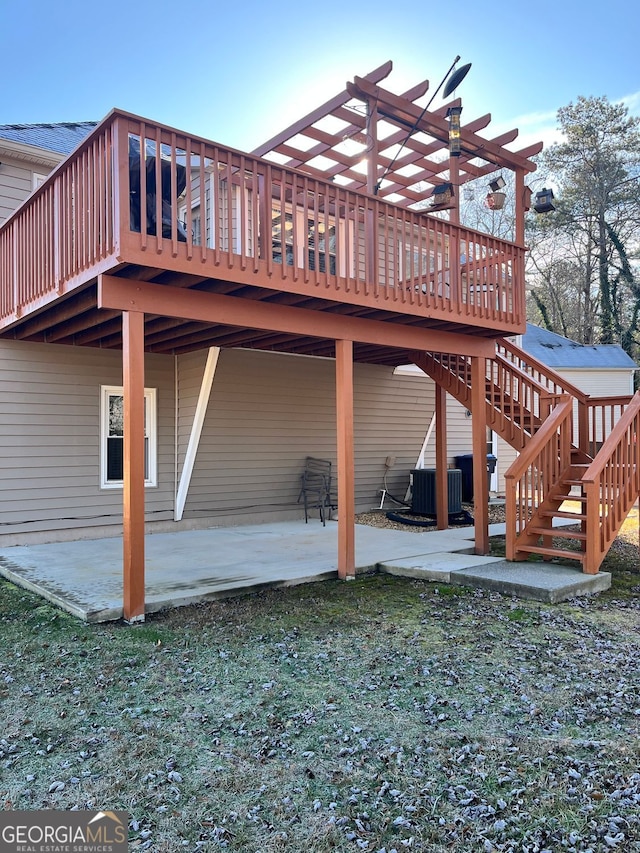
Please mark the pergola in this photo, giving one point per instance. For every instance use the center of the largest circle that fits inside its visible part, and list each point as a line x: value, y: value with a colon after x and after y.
x: 368, y: 138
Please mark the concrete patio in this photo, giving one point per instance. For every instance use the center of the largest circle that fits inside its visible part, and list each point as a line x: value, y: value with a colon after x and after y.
x: 85, y: 577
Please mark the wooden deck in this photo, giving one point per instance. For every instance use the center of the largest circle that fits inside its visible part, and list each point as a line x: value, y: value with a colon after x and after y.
x: 147, y: 239
x: 238, y: 226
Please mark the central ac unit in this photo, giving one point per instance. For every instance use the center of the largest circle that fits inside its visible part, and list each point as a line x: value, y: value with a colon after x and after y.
x: 423, y: 492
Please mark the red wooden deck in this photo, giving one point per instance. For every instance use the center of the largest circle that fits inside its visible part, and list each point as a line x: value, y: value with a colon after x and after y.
x: 233, y: 224
x: 149, y: 239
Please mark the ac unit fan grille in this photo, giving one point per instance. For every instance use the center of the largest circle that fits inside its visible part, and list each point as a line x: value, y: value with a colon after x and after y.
x: 423, y: 492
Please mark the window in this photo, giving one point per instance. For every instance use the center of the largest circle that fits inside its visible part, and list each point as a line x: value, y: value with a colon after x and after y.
x: 37, y: 180
x: 196, y: 221
x: 112, y: 437
x: 319, y: 237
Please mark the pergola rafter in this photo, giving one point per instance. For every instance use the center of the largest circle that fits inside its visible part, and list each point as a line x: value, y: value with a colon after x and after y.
x: 408, y: 176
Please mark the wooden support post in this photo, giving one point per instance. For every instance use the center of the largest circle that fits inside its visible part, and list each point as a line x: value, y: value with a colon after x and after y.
x: 372, y: 147
x: 522, y: 205
x: 133, y: 489
x: 346, y: 467
x: 442, y: 481
x: 479, y: 446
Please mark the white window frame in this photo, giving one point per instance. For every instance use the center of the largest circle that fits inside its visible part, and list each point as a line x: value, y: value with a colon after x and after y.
x: 151, y: 434
x: 37, y: 180
x: 195, y: 207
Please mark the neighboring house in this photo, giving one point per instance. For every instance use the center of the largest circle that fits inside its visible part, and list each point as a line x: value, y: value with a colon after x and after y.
x: 182, y: 323
x: 28, y: 152
x: 601, y: 370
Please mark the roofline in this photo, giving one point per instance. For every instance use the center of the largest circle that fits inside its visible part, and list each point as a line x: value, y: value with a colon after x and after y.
x: 595, y: 367
x: 30, y: 153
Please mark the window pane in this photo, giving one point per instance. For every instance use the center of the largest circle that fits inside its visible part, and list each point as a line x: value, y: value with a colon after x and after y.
x: 115, y: 455
x: 116, y: 415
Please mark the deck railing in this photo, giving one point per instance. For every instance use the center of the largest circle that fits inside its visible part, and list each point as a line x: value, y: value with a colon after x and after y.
x: 531, y: 479
x: 64, y: 229
x: 612, y: 485
x: 138, y: 192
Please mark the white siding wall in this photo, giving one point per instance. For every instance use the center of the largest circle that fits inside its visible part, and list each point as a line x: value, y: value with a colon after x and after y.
x: 601, y: 383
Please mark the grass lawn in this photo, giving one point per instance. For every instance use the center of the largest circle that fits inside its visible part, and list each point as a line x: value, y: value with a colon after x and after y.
x: 379, y: 715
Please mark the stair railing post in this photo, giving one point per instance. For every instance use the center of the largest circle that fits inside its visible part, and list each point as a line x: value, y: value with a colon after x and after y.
x: 583, y: 426
x: 591, y: 562
x: 511, y: 532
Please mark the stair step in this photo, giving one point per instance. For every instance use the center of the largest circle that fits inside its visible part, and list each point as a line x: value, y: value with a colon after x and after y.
x: 552, y: 552
x: 562, y: 513
x: 557, y: 532
x: 563, y: 496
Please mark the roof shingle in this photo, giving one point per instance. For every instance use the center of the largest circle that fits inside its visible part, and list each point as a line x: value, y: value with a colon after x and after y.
x: 557, y: 351
x: 61, y: 138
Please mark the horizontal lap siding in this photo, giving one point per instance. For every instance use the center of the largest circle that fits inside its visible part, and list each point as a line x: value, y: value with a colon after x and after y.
x: 268, y: 411
x: 16, y: 182
x: 600, y: 383
x: 50, y: 436
x: 393, y: 413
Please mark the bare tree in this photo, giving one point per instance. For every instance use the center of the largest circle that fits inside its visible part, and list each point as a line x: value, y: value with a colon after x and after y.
x: 584, y: 255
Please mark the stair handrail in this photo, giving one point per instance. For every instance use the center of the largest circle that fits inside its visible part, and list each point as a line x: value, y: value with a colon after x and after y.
x: 612, y: 484
x: 538, y: 441
x: 567, y: 387
x: 461, y: 371
x: 548, y: 372
x: 556, y: 429
x: 543, y: 390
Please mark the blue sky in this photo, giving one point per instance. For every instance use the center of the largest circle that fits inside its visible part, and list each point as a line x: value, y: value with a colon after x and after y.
x: 238, y: 72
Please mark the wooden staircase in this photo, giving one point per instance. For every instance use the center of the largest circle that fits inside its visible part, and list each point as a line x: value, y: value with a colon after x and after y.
x: 579, y: 458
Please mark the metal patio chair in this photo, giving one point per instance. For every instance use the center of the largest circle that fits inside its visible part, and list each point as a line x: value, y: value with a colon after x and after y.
x: 315, y: 487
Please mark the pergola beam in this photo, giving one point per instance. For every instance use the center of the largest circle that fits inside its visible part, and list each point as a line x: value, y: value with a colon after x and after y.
x: 401, y: 110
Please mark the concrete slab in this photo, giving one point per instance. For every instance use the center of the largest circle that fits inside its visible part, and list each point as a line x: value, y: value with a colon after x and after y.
x: 436, y: 567
x: 85, y: 577
x: 546, y: 582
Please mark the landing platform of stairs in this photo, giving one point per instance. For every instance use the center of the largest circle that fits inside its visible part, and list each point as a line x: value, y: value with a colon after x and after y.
x: 549, y: 583
x: 546, y: 582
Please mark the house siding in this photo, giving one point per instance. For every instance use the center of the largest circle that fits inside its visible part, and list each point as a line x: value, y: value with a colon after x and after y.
x: 600, y: 383
x: 268, y: 411
x: 16, y: 183
x: 50, y: 438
